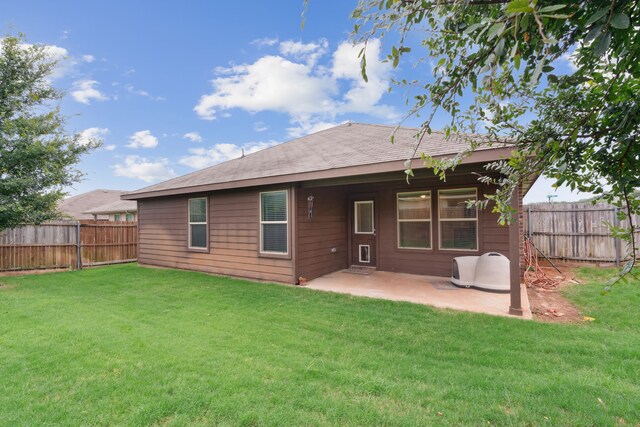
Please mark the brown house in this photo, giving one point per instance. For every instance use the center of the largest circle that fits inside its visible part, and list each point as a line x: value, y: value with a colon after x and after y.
x: 322, y: 203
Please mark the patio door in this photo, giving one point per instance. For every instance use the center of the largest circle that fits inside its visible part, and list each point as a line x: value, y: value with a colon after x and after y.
x: 363, y: 235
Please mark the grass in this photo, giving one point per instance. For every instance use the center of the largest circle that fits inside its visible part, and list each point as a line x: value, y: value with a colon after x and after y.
x: 136, y: 346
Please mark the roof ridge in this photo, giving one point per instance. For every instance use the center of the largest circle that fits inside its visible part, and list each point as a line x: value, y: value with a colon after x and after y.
x: 92, y: 191
x: 439, y: 131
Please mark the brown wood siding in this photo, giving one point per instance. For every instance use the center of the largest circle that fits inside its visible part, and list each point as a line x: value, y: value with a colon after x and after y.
x: 317, y: 236
x: 234, y: 230
x: 325, y: 231
x: 234, y: 234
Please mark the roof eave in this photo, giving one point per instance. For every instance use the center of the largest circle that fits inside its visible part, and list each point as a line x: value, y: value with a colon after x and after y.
x: 482, y: 156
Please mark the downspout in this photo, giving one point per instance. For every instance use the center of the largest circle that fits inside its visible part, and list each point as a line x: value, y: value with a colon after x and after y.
x: 294, y: 232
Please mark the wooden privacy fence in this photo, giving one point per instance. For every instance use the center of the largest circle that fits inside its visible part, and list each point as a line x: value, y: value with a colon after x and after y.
x: 577, y: 231
x: 68, y: 244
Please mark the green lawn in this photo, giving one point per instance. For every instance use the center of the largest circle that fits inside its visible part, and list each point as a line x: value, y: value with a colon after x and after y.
x: 137, y: 346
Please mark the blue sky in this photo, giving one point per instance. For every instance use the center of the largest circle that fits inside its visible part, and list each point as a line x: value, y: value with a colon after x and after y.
x: 172, y: 87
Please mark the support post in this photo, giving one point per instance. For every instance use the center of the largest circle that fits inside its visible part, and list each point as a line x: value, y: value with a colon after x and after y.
x: 515, y: 306
x: 617, y: 242
x: 78, y: 247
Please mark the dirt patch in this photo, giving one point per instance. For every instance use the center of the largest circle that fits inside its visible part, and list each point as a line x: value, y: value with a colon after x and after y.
x: 549, y: 305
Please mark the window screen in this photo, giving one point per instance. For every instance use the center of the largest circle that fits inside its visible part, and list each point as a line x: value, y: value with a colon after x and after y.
x: 198, y: 223
x: 274, y: 226
x: 414, y: 220
x: 458, y: 223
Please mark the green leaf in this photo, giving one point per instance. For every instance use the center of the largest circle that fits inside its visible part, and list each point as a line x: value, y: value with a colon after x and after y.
x: 495, y: 30
x: 516, y: 61
x: 620, y: 21
x: 603, y: 45
x: 556, y: 16
x: 514, y: 50
x: 552, y: 8
x: 519, y: 6
x: 597, y: 16
x: 471, y: 28
x: 593, y: 33
x: 536, y: 73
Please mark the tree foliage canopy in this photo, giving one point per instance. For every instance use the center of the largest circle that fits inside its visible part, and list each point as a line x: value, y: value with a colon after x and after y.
x: 37, y: 156
x: 580, y: 127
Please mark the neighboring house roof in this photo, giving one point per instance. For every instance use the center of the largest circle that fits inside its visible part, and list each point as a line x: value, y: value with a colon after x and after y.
x: 77, y: 205
x: 344, y: 150
x: 119, y: 206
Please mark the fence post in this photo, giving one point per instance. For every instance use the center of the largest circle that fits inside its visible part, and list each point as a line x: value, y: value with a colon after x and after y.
x: 78, y: 247
x: 617, y: 242
x: 529, y: 222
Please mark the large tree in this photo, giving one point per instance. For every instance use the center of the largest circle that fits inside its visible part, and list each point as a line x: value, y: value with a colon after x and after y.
x: 37, y: 156
x: 494, y: 71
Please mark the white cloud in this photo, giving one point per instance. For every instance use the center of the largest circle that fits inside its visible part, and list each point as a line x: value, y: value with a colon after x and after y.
x: 570, y: 58
x: 54, y: 52
x: 205, y: 157
x: 308, y: 52
x: 143, y: 93
x: 88, y: 58
x: 272, y: 83
x: 299, y: 86
x: 265, y: 41
x: 306, y: 127
x: 193, y: 136
x: 147, y: 170
x: 93, y: 134
x: 363, y: 97
x: 260, y: 126
x: 109, y: 147
x: 64, y: 62
x: 142, y: 139
x: 86, y: 90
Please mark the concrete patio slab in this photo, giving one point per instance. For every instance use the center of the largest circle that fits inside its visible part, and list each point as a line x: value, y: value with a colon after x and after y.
x: 427, y: 290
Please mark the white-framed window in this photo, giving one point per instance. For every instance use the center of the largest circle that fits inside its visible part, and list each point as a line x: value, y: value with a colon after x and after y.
x: 363, y: 217
x: 274, y: 222
x: 414, y: 220
x: 198, y: 223
x: 117, y: 217
x: 129, y: 217
x: 458, y: 223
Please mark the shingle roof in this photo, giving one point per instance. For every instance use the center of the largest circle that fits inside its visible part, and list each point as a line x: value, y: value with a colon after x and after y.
x: 77, y: 205
x: 344, y: 146
x: 114, y: 207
